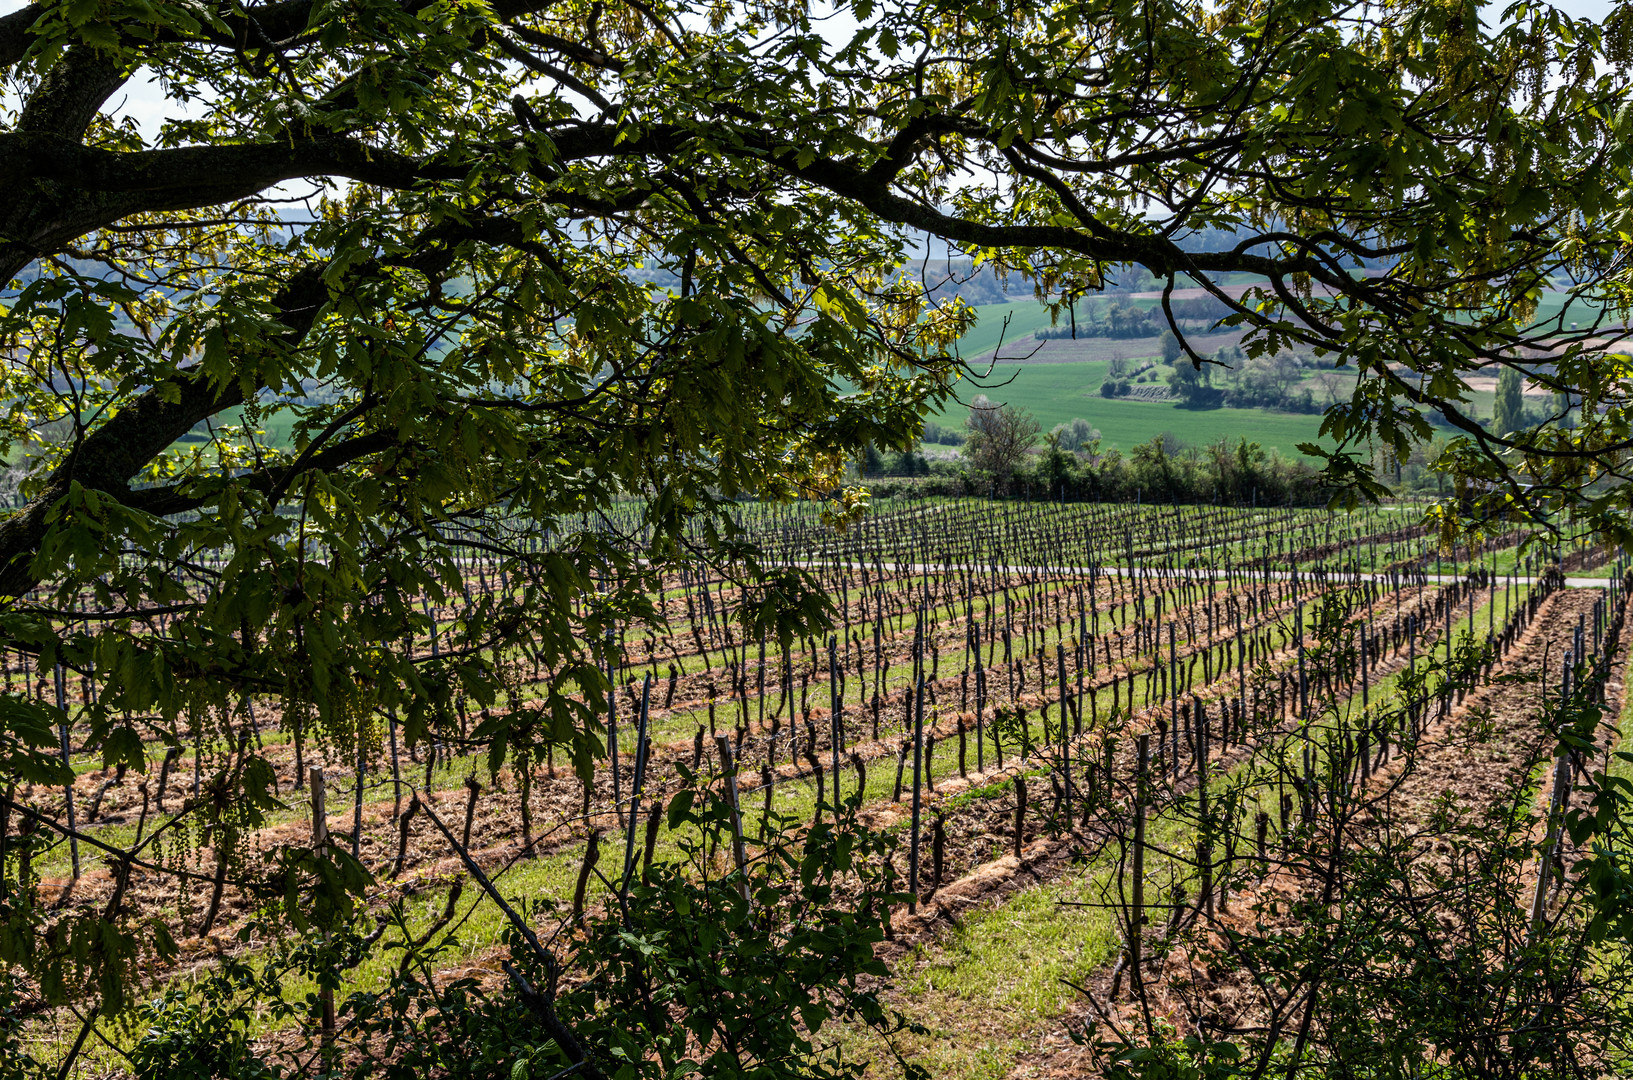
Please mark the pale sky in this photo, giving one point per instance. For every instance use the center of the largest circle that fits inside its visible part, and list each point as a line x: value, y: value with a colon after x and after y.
x: 1585, y: 9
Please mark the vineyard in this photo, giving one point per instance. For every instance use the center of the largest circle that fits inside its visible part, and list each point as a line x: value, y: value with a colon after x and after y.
x: 1112, y: 753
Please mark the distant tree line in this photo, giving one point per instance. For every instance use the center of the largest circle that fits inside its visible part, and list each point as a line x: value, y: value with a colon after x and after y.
x: 1003, y: 457
x: 1234, y: 380
x: 1167, y: 470
x: 1119, y: 317
x: 874, y: 462
x: 942, y: 279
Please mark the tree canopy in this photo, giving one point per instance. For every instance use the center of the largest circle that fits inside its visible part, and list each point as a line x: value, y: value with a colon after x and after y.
x: 492, y: 264
x: 1000, y: 437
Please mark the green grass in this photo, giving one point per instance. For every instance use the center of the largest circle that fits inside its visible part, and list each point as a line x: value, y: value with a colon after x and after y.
x: 1552, y: 303
x: 1025, y: 318
x: 985, y: 991
x: 1509, y: 560
x: 1056, y: 393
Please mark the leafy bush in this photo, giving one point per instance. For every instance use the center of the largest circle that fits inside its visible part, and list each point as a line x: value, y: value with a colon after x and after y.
x: 198, y: 1034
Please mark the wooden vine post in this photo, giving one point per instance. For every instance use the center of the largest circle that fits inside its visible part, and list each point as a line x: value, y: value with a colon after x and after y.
x: 68, y: 788
x: 1136, y: 920
x: 635, y: 788
x: 980, y: 703
x: 918, y: 797
x: 1204, y: 846
x: 320, y: 840
x: 1065, y: 734
x: 1173, y: 699
x: 837, y: 733
x: 729, y: 769
x: 612, y: 713
x: 1545, y: 860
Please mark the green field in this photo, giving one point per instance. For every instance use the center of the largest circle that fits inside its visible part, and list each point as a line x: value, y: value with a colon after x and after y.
x: 276, y: 430
x: 1548, y: 309
x: 1025, y: 318
x: 1055, y: 393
